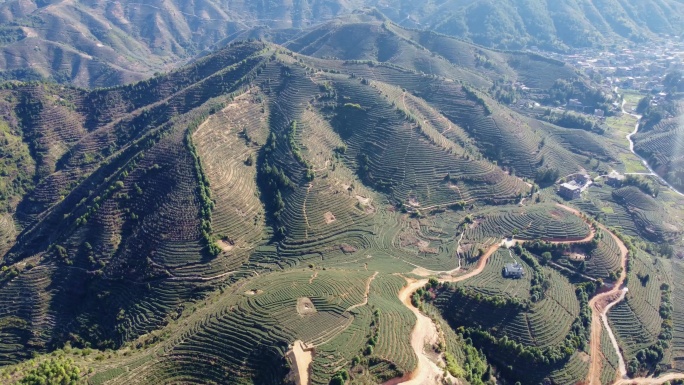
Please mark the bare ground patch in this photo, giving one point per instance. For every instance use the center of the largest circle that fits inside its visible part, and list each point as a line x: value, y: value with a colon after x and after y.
x: 301, y: 356
x: 577, y: 257
x: 329, y: 217
x: 305, y: 306
x: 348, y: 249
x: 365, y: 204
x: 225, y: 245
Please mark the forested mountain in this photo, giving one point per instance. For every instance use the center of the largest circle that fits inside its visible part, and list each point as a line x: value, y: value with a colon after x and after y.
x: 104, y: 43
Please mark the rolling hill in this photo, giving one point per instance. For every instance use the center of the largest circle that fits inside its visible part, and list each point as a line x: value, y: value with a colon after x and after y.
x: 365, y: 39
x: 225, y: 220
x: 94, y: 43
x: 103, y: 43
x: 549, y: 24
x: 249, y: 160
x: 659, y: 141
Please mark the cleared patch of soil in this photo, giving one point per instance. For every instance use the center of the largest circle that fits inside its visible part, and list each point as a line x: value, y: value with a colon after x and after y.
x: 225, y: 245
x: 348, y: 249
x: 366, y: 204
x: 556, y: 215
x: 577, y: 257
x: 301, y: 356
x: 305, y: 306
x: 329, y: 217
x: 424, y: 247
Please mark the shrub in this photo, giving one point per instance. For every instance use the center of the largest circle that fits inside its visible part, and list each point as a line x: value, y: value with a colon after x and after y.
x: 54, y: 372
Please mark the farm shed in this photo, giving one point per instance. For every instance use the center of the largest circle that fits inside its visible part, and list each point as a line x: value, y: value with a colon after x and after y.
x: 513, y: 270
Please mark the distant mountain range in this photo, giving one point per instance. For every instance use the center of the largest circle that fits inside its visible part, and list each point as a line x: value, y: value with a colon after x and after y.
x: 97, y: 43
x: 549, y: 24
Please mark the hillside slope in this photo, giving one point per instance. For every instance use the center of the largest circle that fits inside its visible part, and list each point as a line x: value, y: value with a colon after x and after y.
x: 102, y: 43
x: 97, y: 43
x: 660, y: 141
x: 356, y: 39
x: 251, y: 159
x: 550, y: 24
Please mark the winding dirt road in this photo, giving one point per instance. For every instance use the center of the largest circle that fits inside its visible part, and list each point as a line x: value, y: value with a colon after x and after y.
x: 600, y: 305
x: 622, y: 368
x: 427, y: 371
x: 651, y: 381
x: 424, y: 331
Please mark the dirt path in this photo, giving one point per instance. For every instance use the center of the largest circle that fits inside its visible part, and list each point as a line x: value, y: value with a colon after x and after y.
x: 424, y: 331
x: 651, y: 381
x: 306, y: 218
x: 423, y: 272
x: 426, y: 372
x: 365, y: 295
x: 301, y: 356
x: 600, y: 305
x: 622, y: 368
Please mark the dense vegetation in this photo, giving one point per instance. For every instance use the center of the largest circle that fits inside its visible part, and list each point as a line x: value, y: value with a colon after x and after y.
x: 510, y: 354
x: 58, y: 371
x: 647, y: 359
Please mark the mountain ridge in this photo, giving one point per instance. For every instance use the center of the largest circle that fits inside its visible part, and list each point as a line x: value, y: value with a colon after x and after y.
x: 97, y: 44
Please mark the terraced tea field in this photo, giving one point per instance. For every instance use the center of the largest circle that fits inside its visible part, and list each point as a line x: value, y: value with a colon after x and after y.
x: 451, y: 302
x: 637, y: 321
x: 255, y: 217
x: 529, y: 223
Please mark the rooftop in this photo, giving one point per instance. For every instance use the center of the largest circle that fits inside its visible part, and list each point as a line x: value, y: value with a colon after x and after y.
x: 514, y: 268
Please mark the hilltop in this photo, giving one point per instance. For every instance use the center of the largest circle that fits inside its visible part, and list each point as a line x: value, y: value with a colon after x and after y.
x: 367, y: 39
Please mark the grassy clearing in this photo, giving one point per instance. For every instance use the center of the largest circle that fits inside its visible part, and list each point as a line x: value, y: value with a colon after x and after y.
x: 632, y: 98
x: 622, y: 124
x: 632, y: 163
